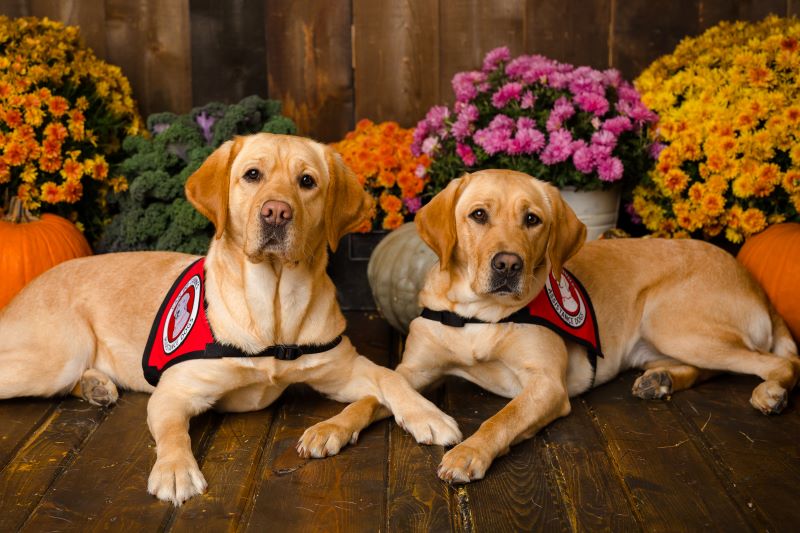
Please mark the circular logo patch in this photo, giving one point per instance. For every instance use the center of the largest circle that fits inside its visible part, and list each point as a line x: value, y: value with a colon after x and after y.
x: 181, y: 315
x: 566, y: 300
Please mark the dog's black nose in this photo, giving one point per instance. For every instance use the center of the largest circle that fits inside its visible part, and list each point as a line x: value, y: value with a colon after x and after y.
x: 276, y: 212
x: 506, y: 263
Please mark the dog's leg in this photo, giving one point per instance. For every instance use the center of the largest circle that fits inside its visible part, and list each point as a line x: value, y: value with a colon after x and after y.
x: 96, y: 388
x: 374, y: 388
x: 175, y: 476
x: 543, y: 399
x: 666, y: 376
x: 780, y: 374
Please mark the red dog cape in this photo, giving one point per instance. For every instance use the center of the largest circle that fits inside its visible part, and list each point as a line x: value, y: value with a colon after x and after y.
x: 562, y: 306
x: 181, y: 330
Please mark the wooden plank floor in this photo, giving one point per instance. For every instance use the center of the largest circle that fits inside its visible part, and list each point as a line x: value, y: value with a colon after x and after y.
x: 704, y: 460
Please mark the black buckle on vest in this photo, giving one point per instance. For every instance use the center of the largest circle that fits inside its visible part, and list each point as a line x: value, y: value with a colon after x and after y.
x: 286, y: 352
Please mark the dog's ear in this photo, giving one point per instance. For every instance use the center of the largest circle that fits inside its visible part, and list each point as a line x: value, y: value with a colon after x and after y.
x: 436, y: 222
x: 347, y: 204
x: 207, y: 188
x: 567, y: 233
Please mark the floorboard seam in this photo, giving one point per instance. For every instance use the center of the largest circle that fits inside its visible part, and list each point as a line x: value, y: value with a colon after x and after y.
x: 755, y: 519
x: 617, y: 470
x: 35, y: 430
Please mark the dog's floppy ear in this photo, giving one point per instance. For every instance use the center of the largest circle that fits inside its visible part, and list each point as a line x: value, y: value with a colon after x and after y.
x: 207, y: 188
x: 436, y: 222
x: 347, y: 204
x: 567, y: 233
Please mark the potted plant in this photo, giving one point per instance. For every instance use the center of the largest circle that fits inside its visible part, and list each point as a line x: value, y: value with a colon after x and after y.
x: 581, y: 129
x: 728, y: 134
x: 380, y: 156
x: 63, y: 114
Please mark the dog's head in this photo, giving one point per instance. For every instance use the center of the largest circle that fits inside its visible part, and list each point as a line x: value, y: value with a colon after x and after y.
x: 501, y: 232
x: 278, y: 196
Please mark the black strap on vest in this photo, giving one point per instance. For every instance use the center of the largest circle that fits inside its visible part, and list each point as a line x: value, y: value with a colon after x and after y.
x: 282, y: 352
x: 454, y: 320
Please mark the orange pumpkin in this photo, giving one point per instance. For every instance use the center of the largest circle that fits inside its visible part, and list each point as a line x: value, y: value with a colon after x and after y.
x: 29, y: 246
x: 773, y: 257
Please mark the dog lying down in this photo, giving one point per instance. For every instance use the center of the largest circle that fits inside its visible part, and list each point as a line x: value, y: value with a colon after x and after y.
x: 679, y: 309
x: 277, y: 203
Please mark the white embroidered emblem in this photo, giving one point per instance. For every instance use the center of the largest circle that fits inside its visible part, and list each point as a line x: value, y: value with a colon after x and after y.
x: 567, y: 302
x: 181, y: 315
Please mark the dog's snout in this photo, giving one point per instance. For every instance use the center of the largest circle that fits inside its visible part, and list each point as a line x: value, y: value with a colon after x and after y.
x: 507, y: 263
x: 276, y: 212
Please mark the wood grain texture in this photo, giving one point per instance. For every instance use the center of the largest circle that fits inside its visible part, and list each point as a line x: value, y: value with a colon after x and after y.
x: 470, y: 29
x: 591, y: 488
x: 106, y: 485
x: 20, y: 418
x: 519, y: 492
x: 310, y: 65
x: 397, y: 65
x: 89, y: 15
x: 713, y: 11
x: 53, y: 446
x: 572, y: 31
x: 15, y: 8
x: 759, y: 456
x: 229, y: 466
x: 643, y: 33
x: 230, y: 44
x: 666, y: 472
x: 150, y: 41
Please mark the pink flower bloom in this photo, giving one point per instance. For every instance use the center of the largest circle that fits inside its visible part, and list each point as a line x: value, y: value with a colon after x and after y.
x: 413, y: 204
x: 655, y: 149
x: 526, y: 141
x: 583, y: 157
x: 613, y: 77
x: 559, y: 149
x: 610, y: 169
x: 464, y: 85
x: 420, y: 171
x: 429, y: 145
x: 528, y: 100
x: 420, y: 134
x: 466, y: 154
x: 592, y: 103
x: 604, y: 138
x: 436, y: 117
x: 506, y: 93
x: 495, y: 137
x: 562, y: 110
x: 495, y: 57
x: 617, y: 125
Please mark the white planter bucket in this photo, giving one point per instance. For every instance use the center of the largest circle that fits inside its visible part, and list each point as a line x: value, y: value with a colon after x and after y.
x: 597, y: 209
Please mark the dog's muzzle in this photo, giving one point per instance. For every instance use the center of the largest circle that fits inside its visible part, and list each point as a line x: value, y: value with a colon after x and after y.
x: 275, y: 218
x: 506, y: 273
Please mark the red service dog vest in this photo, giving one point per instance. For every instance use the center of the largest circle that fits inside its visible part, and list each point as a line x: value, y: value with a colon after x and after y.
x: 562, y: 306
x: 181, y: 331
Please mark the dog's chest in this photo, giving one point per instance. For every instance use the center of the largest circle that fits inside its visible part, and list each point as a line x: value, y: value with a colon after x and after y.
x: 476, y: 343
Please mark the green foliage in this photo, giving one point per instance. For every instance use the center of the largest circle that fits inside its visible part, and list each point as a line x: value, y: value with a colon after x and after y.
x: 153, y: 213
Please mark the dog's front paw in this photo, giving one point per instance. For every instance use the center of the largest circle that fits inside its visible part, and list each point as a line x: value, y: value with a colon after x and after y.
x: 325, y: 439
x: 176, y: 479
x: 463, y: 464
x: 769, y: 398
x: 430, y: 426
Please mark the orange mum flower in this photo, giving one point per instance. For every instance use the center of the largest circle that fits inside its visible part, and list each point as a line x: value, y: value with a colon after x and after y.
x: 50, y: 193
x: 392, y: 221
x: 13, y: 118
x: 391, y: 203
x: 71, y: 191
x: 56, y: 131
x: 791, y: 181
x: 14, y: 154
x: 72, y: 170
x: 58, y: 106
x: 753, y: 221
x: 713, y: 204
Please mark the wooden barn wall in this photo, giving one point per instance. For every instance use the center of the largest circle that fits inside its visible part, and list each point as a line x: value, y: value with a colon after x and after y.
x: 333, y: 62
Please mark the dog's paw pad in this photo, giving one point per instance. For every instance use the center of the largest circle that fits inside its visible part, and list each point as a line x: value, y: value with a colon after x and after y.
x: 98, y: 389
x: 769, y: 398
x: 463, y: 464
x: 653, y: 385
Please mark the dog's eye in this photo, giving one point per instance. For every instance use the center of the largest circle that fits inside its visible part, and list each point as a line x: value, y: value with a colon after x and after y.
x: 480, y: 216
x: 532, y: 220
x: 306, y: 181
x: 252, y: 174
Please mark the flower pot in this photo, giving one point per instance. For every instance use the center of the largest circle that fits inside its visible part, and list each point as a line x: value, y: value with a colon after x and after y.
x: 348, y: 270
x: 597, y: 209
x: 396, y: 273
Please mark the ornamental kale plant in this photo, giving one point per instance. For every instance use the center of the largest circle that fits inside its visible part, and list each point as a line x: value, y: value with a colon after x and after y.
x: 154, y: 214
x: 572, y: 126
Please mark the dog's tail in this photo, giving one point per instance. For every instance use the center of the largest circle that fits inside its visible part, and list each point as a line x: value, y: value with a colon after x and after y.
x: 782, y: 343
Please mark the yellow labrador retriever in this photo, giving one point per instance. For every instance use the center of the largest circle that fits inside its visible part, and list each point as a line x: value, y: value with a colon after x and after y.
x: 679, y: 309
x: 277, y: 203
